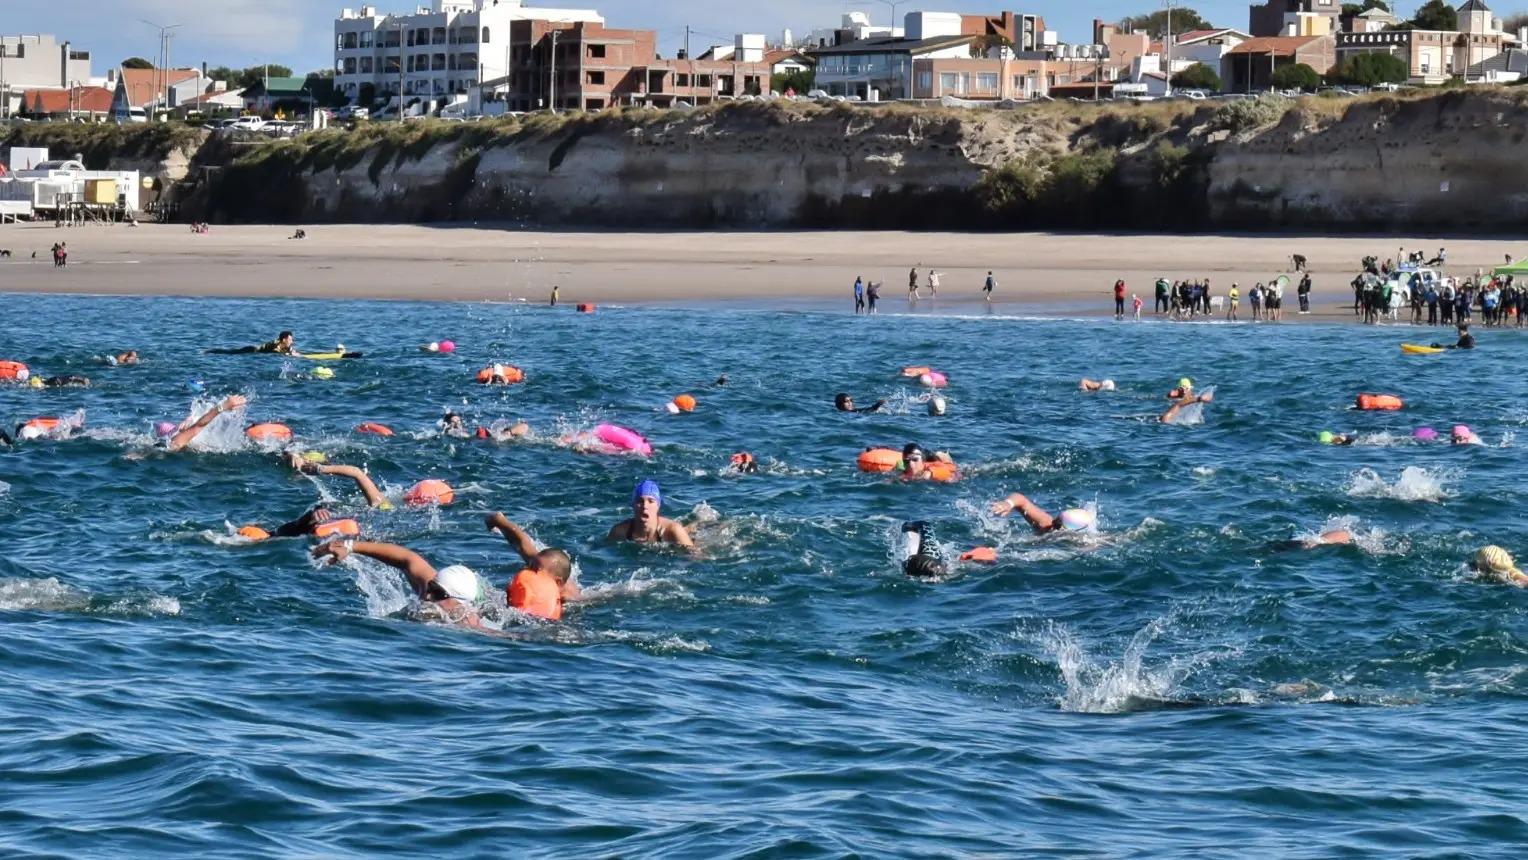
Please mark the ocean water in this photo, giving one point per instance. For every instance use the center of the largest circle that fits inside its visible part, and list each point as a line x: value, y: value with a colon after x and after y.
x: 1172, y: 684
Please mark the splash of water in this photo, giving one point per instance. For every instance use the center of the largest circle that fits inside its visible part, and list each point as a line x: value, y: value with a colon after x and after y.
x: 1415, y: 484
x: 50, y: 595
x: 1125, y: 685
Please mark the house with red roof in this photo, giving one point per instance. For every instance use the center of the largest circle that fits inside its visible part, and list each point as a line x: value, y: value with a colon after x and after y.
x: 91, y: 104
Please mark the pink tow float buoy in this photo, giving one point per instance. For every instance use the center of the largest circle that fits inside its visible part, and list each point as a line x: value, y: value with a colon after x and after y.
x: 623, y: 438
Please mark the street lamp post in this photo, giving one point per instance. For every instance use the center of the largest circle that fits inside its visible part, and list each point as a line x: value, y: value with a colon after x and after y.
x: 1167, y: 42
x: 162, y: 72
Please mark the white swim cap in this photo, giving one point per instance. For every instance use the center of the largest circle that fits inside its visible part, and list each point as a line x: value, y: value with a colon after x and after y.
x: 1106, y: 385
x: 460, y: 582
x: 29, y: 432
x: 1077, y: 519
x: 936, y: 405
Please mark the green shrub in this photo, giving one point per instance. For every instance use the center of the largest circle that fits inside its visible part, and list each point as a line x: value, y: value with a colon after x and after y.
x: 1246, y: 114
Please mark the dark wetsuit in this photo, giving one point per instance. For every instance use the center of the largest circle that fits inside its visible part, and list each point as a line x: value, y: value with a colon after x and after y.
x: 272, y: 346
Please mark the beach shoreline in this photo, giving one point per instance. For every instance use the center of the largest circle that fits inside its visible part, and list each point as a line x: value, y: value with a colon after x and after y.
x: 1043, y: 274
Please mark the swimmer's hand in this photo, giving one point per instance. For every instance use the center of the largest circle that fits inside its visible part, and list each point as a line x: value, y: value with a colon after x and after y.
x: 335, y: 551
x: 1206, y: 398
x: 234, y: 401
x: 496, y: 521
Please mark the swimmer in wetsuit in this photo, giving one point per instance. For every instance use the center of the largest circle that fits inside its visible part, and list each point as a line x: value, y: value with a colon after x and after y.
x: 282, y: 345
x: 918, y: 550
x: 1183, y: 396
x: 1466, y: 340
x: 646, y: 526
x: 1071, y: 519
x: 71, y: 381
x: 844, y: 403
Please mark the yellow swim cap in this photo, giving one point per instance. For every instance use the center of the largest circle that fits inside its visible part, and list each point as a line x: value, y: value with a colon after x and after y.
x: 1185, y: 382
x: 323, y: 373
x: 1497, y: 563
x: 315, y: 457
x: 35, y: 382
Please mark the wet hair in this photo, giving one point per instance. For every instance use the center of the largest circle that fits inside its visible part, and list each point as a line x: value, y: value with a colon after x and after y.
x: 840, y: 399
x: 912, y: 448
x: 927, y: 566
x: 284, y: 335
x: 555, y: 563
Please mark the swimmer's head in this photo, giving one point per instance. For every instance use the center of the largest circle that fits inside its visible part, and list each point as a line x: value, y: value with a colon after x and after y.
x: 285, y: 338
x: 936, y: 405
x: 35, y: 382
x: 1424, y: 434
x: 1186, y: 384
x: 460, y: 582
x: 843, y: 401
x: 925, y: 567
x: 1106, y: 385
x: 646, y: 495
x: 1496, y: 563
x: 314, y: 457
x: 555, y: 563
x: 164, y: 428
x: 1077, y: 519
x: 1462, y: 434
x: 1325, y: 437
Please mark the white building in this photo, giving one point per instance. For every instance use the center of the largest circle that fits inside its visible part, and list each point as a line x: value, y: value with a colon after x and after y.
x: 53, y: 187
x: 853, y: 27
x: 436, y: 53
x: 38, y: 62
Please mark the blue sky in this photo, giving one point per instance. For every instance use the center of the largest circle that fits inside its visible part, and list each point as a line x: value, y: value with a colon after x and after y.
x: 298, y: 33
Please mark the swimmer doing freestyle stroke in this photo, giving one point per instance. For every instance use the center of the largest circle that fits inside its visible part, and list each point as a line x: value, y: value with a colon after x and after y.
x: 545, y: 584
x: 456, y: 591
x: 1181, y: 397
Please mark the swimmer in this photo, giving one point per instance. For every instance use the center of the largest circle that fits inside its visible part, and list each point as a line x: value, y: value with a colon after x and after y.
x: 721, y: 381
x: 59, y: 382
x: 363, y: 482
x: 1183, y: 391
x: 919, y: 556
x: 176, y: 439
x: 1186, y: 397
x: 1495, y: 564
x: 123, y: 359
x: 937, y: 405
x: 551, y: 561
x: 844, y: 403
x: 1095, y: 385
x: 918, y: 464
x: 1462, y: 435
x: 1072, y: 519
x: 452, y: 425
x: 503, y: 431
x: 1327, y: 437
x: 646, y: 526
x: 46, y: 427
x: 1332, y: 537
x: 456, y: 590
x: 744, y: 463
x: 284, y: 344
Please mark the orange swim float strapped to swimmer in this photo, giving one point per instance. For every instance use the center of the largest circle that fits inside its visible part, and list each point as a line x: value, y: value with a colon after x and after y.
x: 14, y: 371
x: 535, y: 593
x: 980, y: 555
x: 254, y: 533
x: 915, y: 371
x: 1372, y: 402
x: 944, y: 473
x: 585, y: 307
x: 430, y: 491
x: 269, y: 432
x: 337, y: 528
x: 507, y: 374
x: 46, y: 425
x: 374, y: 428
x: 879, y: 460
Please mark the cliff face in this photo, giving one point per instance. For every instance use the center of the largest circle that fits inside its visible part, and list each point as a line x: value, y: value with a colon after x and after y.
x: 1450, y: 161
x: 1444, y: 160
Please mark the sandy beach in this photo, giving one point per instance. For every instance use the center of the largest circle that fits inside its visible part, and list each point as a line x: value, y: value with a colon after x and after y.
x: 1049, y: 273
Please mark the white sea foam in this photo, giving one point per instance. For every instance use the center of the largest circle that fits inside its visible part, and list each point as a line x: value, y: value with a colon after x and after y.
x: 1415, y: 484
x: 1127, y: 684
x: 50, y: 595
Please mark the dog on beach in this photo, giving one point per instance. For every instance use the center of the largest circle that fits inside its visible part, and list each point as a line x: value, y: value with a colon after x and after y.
x: 5, y: 252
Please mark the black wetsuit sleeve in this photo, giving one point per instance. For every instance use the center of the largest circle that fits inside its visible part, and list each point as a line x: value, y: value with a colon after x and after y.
x: 296, y: 528
x: 237, y: 350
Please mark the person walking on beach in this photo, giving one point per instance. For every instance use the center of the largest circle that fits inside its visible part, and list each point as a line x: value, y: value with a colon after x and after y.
x: 912, y: 284
x: 1135, y: 306
x: 859, y: 294
x: 1231, y: 299
x: 555, y: 289
x: 933, y: 284
x: 872, y: 295
x: 1119, y: 299
x: 1304, y: 292
x: 987, y: 287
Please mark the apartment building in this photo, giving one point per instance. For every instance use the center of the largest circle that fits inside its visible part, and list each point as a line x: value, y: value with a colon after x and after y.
x: 38, y: 62
x: 436, y: 54
x: 1434, y: 56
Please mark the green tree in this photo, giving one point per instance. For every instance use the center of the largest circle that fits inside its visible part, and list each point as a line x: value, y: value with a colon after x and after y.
x: 802, y: 81
x: 1366, y: 70
x: 1197, y: 77
x: 257, y: 74
x: 1351, y: 9
x: 1295, y: 76
x: 136, y: 63
x: 1154, y: 24
x: 1436, y: 15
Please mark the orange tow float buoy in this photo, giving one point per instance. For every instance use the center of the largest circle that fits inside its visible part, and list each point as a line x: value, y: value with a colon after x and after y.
x: 430, y: 492
x: 880, y: 460
x: 269, y: 432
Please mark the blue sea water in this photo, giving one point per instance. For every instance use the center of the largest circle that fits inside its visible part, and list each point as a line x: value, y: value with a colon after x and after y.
x: 1170, y: 685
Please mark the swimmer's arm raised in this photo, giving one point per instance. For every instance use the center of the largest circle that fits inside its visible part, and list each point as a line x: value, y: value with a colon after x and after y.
x: 184, y: 437
x: 363, y: 481
x: 1037, y: 518
x: 413, y: 566
x: 518, y: 540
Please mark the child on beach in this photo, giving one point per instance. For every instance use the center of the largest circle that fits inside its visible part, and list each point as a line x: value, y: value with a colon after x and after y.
x: 1135, y: 306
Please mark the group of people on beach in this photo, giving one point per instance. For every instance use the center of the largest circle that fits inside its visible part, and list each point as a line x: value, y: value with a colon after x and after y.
x: 867, y: 295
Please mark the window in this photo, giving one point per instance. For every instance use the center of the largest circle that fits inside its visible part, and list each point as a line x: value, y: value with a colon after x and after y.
x: 681, y: 80
x: 986, y: 83
x: 392, y: 39
x: 350, y: 65
x: 596, y: 77
x: 339, y: 43
x: 368, y: 39
x: 703, y: 81
x: 469, y: 36
x: 949, y: 82
x: 438, y: 63
x: 350, y: 40
x: 925, y: 81
x: 596, y: 52
x: 366, y: 65
x: 413, y: 38
x: 440, y: 36
x: 485, y: 35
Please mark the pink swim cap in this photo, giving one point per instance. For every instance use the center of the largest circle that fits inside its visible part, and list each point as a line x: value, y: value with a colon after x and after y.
x: 1461, y: 430
x: 164, y: 428
x: 1425, y: 434
x: 448, y: 346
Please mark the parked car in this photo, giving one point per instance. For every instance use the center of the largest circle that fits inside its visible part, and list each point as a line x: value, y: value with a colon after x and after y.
x: 247, y: 123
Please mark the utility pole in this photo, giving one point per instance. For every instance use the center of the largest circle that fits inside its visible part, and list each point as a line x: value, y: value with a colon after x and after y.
x: 552, y: 99
x: 400, y: 70
x: 1167, y: 42
x: 161, y: 74
x: 687, y: 41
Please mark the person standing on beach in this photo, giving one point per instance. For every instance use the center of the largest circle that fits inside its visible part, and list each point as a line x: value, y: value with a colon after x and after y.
x: 872, y: 295
x: 1135, y: 306
x: 987, y: 288
x: 1255, y: 298
x: 859, y: 294
x: 912, y: 284
x: 1304, y: 292
x: 933, y: 283
x: 1119, y: 299
x: 1231, y: 299
x: 1162, y: 304
x: 555, y: 289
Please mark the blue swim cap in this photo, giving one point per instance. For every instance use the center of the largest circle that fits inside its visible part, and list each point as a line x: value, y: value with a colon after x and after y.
x: 195, y: 385
x: 648, y: 488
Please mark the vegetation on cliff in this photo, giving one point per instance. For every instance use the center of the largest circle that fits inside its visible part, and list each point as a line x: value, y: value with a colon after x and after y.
x: 100, y: 144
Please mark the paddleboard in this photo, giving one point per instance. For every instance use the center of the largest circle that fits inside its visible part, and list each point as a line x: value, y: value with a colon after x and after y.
x: 1419, y: 349
x: 327, y: 356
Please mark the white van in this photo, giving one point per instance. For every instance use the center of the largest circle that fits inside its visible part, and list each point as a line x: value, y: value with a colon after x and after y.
x: 131, y: 115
